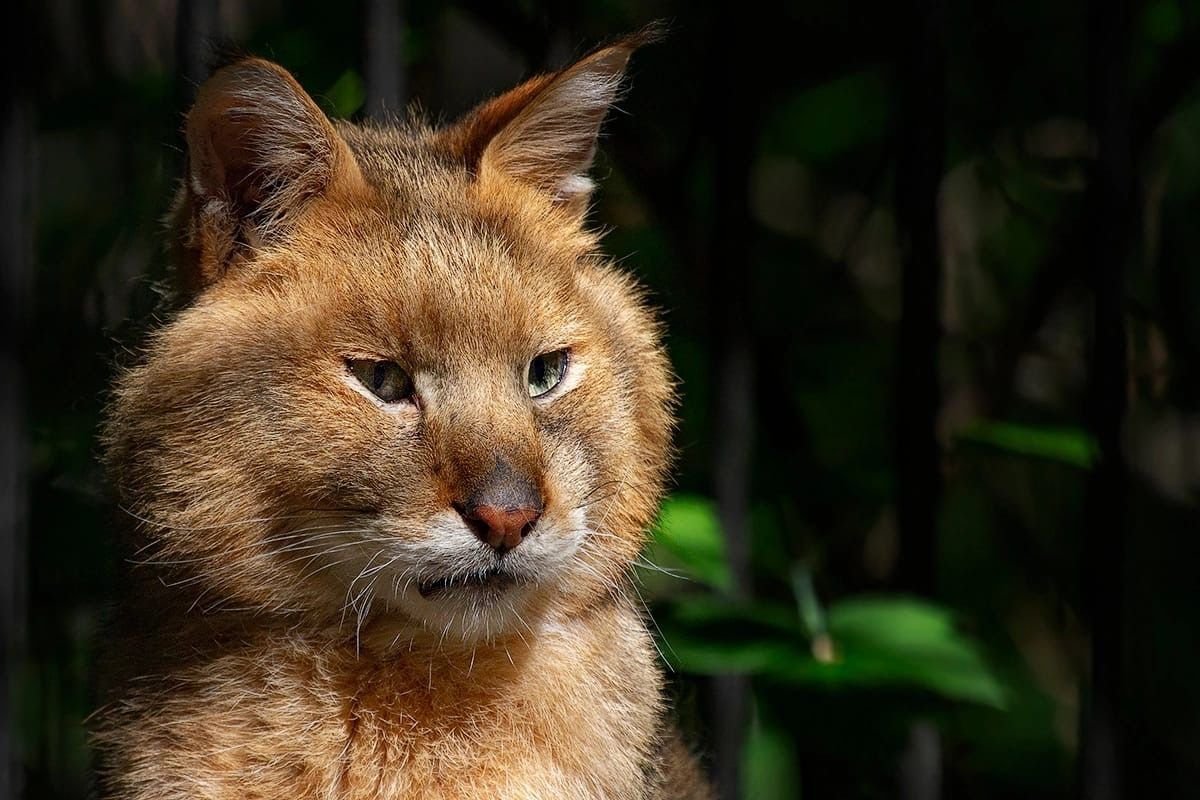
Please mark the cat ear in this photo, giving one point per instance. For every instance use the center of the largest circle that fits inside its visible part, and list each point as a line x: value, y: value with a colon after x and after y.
x: 544, y: 132
x: 259, y: 149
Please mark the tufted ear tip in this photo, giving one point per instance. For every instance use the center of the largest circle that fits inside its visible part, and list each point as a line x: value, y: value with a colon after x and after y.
x: 650, y: 33
x: 544, y: 132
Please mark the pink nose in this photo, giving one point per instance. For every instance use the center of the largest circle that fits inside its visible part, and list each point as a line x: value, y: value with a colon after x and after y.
x: 502, y: 528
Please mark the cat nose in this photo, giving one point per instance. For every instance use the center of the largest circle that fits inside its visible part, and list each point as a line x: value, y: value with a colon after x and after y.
x: 502, y: 506
x: 501, y: 527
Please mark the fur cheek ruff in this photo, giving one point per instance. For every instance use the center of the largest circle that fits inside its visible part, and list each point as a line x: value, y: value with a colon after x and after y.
x: 313, y: 608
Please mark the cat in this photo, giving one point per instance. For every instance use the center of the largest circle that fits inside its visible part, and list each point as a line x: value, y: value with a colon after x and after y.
x: 389, y: 465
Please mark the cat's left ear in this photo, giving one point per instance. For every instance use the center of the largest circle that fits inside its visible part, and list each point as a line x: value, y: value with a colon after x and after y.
x: 544, y: 132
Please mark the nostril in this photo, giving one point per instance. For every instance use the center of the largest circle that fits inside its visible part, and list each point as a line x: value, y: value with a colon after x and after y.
x: 502, y: 528
x: 477, y: 525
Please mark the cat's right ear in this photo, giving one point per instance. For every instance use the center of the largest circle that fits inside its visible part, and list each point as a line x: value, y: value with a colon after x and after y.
x: 259, y: 149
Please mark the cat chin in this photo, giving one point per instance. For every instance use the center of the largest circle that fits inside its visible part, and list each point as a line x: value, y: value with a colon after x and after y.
x: 472, y: 613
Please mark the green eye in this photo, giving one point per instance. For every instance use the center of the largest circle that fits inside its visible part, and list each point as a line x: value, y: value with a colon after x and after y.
x: 384, y: 379
x: 547, y: 371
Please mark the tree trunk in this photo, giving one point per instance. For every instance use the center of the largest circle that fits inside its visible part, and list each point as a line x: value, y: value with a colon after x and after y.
x: 921, y: 145
x: 16, y: 280
x: 1111, y: 210
x: 197, y: 29
x: 733, y: 416
x: 384, y: 58
x: 920, y: 166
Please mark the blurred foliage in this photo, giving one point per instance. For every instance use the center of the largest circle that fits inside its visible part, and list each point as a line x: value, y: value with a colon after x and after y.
x: 831, y: 120
x: 899, y: 643
x: 1070, y: 446
x: 688, y: 533
x: 841, y: 663
x: 346, y: 95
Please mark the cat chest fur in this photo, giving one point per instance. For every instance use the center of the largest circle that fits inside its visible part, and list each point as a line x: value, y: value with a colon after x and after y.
x: 291, y: 718
x: 554, y: 721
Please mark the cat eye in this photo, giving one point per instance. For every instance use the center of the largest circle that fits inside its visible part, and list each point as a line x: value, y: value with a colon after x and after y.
x: 385, y: 379
x: 546, y: 371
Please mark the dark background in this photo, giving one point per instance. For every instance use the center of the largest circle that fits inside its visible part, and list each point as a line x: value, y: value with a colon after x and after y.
x: 930, y: 276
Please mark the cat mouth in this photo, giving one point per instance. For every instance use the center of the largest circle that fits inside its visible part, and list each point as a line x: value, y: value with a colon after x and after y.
x: 493, y: 580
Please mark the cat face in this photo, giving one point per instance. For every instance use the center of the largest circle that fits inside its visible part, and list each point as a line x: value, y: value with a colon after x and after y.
x: 407, y: 387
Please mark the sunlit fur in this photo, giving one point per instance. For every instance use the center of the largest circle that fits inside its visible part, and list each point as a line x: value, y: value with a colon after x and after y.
x: 273, y: 642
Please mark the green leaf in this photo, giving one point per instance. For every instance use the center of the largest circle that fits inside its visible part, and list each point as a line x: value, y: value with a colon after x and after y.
x: 1066, y: 445
x: 906, y: 641
x: 347, y: 94
x: 826, y: 121
x: 689, y: 532
x: 875, y: 642
x: 710, y: 635
x: 1163, y: 21
x: 769, y: 762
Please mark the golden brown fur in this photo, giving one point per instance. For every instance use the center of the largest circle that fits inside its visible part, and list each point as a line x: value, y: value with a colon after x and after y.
x: 284, y: 634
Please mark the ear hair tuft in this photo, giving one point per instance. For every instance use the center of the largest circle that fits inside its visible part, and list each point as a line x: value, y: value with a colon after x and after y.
x: 224, y: 53
x: 544, y: 132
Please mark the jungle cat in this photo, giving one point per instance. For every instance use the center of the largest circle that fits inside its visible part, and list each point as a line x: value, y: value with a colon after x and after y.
x: 387, y: 467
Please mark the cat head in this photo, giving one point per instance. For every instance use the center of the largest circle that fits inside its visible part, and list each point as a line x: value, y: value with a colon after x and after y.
x: 405, y: 383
